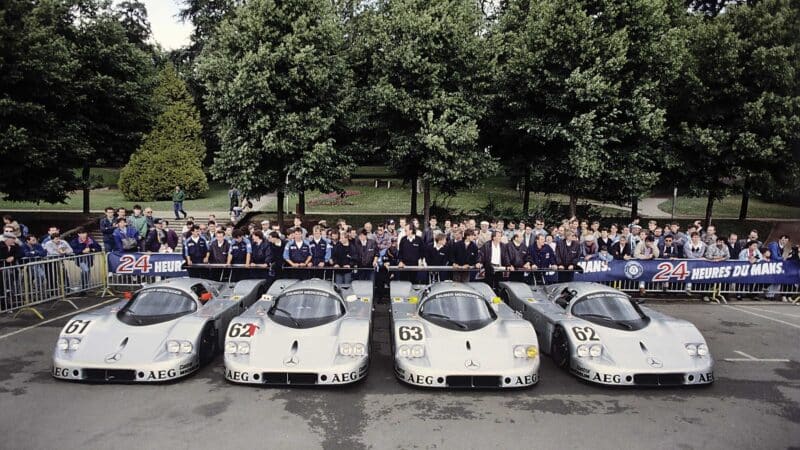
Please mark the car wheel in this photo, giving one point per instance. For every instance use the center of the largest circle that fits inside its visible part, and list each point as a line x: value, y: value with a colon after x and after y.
x: 559, y: 348
x: 208, y: 344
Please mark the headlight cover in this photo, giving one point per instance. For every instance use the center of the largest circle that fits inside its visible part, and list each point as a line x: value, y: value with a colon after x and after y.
x: 231, y: 347
x: 595, y: 350
x: 526, y: 351
x: 244, y: 348
x: 411, y: 351
x: 186, y: 347
x: 173, y: 346
x: 74, y: 343
x: 702, y: 350
x: 691, y: 349
x: 697, y: 349
x: 63, y: 344
x: 583, y: 351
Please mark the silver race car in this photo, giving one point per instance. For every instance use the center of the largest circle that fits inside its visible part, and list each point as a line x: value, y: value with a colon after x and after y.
x: 603, y: 336
x: 460, y: 335
x: 309, y: 332
x: 163, y: 332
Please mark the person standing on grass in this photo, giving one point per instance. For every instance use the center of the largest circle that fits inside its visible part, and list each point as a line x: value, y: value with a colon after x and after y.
x: 177, y: 202
x: 233, y: 195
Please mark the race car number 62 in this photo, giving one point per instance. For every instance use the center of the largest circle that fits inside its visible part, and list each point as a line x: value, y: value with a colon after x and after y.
x: 410, y: 333
x: 584, y: 333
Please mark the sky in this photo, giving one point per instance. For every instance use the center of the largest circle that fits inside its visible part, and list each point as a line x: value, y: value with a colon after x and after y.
x: 165, y: 24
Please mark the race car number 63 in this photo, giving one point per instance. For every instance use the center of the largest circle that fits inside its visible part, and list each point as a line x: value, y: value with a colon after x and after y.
x: 410, y: 333
x: 585, y: 333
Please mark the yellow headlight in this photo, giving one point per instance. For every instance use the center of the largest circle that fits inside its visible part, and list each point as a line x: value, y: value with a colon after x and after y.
x: 532, y: 352
x: 497, y: 300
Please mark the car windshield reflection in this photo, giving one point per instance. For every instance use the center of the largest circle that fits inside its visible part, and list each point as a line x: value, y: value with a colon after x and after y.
x: 458, y: 311
x: 610, y: 310
x: 306, y: 308
x: 151, y: 306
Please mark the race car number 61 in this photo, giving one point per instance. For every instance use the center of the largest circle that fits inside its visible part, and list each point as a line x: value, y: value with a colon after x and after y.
x: 410, y: 333
x: 77, y: 326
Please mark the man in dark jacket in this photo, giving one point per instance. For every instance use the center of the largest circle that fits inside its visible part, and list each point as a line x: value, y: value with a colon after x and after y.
x: 411, y: 250
x: 518, y: 256
x: 734, y: 246
x: 668, y: 249
x: 219, y: 251
x: 107, y: 228
x: 84, y: 245
x: 160, y: 239
x: 494, y: 255
x: 465, y: 255
x: 365, y: 253
x: 621, y: 250
x: 437, y: 253
x: 568, y: 254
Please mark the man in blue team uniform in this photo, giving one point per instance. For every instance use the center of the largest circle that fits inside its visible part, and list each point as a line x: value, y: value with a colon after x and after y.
x: 297, y: 253
x: 240, y: 253
x: 195, y: 251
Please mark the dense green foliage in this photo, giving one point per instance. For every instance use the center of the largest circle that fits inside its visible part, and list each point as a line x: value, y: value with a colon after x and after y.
x: 172, y: 153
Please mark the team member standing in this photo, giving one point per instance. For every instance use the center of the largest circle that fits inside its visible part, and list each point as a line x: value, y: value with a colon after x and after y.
x: 107, y: 228
x: 517, y: 256
x: 365, y: 252
x: 240, y: 254
x: 260, y: 256
x: 320, y: 248
x: 568, y: 254
x: 465, y: 256
x: 297, y: 253
x: 437, y: 253
x: 410, y: 252
x: 195, y: 251
x: 494, y: 255
x: 342, y: 257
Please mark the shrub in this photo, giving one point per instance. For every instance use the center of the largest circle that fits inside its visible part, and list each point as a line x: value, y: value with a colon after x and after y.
x: 152, y: 176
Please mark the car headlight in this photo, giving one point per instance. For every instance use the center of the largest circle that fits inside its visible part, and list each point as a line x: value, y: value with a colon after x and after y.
x: 583, y: 351
x: 417, y: 351
x: 231, y: 347
x: 691, y: 349
x: 702, y: 350
x: 359, y: 350
x: 173, y: 346
x: 186, y: 347
x: 74, y: 343
x: 244, y: 348
x: 345, y: 349
x: 523, y: 351
x: 595, y: 351
x: 63, y: 344
x: 404, y: 351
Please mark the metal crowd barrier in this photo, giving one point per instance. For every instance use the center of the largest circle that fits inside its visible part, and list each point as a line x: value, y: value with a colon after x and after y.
x: 37, y: 281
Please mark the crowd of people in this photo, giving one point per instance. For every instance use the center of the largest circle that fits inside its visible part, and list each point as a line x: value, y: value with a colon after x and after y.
x: 470, y: 247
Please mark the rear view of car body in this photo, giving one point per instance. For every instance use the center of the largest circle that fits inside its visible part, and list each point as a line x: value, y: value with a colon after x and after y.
x: 502, y: 354
x: 261, y: 351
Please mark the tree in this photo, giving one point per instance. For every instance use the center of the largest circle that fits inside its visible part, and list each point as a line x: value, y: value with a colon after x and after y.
x: 133, y: 16
x: 420, y: 66
x: 172, y: 153
x: 562, y: 88
x: 75, y: 93
x: 275, y: 75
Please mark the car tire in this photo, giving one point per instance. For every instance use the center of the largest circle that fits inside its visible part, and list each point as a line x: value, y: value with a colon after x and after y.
x: 208, y: 344
x: 559, y: 348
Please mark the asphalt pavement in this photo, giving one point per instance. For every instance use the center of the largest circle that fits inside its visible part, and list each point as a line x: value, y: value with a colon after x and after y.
x: 754, y: 403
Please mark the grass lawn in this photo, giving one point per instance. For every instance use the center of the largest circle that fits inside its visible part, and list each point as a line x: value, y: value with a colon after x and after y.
x: 397, y: 199
x: 729, y: 207
x: 216, y: 199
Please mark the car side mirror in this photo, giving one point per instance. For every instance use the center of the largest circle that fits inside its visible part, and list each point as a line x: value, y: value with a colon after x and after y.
x: 640, y: 301
x: 205, y: 296
x: 128, y: 295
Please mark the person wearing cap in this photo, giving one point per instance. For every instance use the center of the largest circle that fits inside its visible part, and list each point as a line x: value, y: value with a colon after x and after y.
x: 484, y: 235
x: 126, y: 238
x: 646, y: 249
x: 717, y: 252
x: 589, y: 246
x: 84, y: 245
x: 751, y: 253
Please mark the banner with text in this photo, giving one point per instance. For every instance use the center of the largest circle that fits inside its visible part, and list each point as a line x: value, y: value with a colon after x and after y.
x: 691, y: 271
x: 150, y: 264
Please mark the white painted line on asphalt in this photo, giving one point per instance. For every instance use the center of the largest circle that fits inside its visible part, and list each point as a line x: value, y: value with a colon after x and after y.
x: 771, y: 311
x: 751, y: 358
x: 794, y: 325
x: 57, y: 318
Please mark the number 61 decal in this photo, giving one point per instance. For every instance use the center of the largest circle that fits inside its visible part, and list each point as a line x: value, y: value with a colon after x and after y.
x: 77, y: 326
x: 585, y: 333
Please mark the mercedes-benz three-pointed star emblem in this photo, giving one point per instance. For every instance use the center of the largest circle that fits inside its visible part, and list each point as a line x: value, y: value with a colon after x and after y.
x: 653, y: 362
x: 114, y: 357
x: 471, y: 364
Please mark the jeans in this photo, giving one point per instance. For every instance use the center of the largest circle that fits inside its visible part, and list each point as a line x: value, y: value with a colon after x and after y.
x: 343, y: 278
x: 178, y: 208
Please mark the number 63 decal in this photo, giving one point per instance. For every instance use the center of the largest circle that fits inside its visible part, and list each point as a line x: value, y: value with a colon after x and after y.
x: 585, y: 334
x: 410, y: 333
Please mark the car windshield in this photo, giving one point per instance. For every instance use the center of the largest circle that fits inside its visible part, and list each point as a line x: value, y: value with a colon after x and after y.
x: 610, y: 309
x: 306, y: 308
x: 458, y: 311
x: 151, y: 306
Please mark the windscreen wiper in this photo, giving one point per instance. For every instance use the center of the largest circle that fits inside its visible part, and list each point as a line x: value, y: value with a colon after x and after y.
x: 287, y: 314
x: 453, y: 321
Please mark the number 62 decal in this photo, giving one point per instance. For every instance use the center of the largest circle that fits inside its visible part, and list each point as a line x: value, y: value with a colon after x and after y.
x: 585, y: 333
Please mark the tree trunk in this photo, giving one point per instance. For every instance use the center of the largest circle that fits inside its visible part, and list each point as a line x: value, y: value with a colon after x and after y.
x: 426, y: 202
x: 526, y: 191
x: 280, y: 208
x: 710, y: 206
x: 634, y: 207
x: 86, y: 188
x: 301, y: 202
x: 414, y: 196
x: 573, y: 205
x: 745, y: 199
